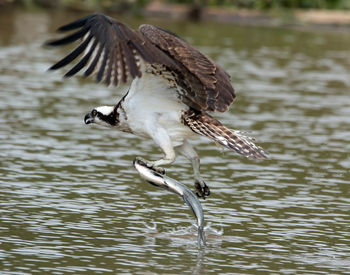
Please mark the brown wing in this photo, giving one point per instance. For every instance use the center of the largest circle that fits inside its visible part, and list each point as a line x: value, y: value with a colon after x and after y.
x: 206, y: 83
x: 112, y: 51
x: 109, y: 49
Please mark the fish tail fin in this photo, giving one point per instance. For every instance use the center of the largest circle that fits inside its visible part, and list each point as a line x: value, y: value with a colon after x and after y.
x: 201, y: 237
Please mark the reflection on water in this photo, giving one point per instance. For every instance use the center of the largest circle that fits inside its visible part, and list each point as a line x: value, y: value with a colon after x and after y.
x: 71, y: 201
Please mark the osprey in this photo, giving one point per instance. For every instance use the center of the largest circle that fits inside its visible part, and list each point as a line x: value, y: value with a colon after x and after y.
x: 173, y: 88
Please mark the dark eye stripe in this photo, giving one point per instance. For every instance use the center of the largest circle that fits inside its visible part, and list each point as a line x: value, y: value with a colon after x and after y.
x: 111, y: 119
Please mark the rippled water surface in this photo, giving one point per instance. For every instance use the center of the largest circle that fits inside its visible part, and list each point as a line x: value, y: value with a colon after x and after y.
x: 71, y: 201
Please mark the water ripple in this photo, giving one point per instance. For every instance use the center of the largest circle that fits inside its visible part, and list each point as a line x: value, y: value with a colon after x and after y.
x: 70, y: 200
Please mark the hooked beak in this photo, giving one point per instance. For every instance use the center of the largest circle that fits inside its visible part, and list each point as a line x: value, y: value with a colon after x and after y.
x: 88, y: 118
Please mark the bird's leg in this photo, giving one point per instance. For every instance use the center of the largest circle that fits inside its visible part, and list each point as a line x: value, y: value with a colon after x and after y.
x: 186, y: 150
x: 162, y: 139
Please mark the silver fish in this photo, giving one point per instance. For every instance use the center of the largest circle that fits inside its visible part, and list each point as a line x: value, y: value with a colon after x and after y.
x: 161, y: 180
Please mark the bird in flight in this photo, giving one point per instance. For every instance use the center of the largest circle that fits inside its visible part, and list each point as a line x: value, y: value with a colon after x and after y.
x: 173, y: 88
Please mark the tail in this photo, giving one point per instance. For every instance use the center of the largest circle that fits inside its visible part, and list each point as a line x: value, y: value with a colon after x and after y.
x: 201, y: 237
x: 192, y: 201
x: 206, y: 125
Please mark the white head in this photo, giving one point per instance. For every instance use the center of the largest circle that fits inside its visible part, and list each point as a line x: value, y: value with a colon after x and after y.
x: 103, y: 115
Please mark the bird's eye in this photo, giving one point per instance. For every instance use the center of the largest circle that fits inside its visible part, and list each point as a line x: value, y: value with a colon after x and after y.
x: 94, y: 112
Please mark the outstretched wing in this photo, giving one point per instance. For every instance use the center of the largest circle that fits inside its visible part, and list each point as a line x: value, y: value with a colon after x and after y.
x: 206, y: 83
x: 112, y: 51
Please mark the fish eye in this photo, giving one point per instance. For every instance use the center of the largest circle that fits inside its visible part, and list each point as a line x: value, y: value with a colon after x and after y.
x: 94, y: 112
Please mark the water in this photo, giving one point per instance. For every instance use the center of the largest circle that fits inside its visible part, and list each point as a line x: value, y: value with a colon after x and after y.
x: 70, y: 200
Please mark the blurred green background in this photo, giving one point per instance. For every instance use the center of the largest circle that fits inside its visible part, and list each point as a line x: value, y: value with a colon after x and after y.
x: 123, y: 5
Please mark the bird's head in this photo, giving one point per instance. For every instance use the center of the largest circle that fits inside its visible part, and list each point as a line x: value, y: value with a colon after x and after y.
x: 104, y: 115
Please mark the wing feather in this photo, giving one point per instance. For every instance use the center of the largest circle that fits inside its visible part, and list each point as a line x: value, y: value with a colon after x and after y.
x: 207, y: 83
x: 110, y: 47
x: 74, y: 25
x: 112, y: 52
x: 102, y: 67
x: 69, y: 39
x: 73, y: 55
x: 82, y: 63
x: 109, y: 72
x: 97, y: 55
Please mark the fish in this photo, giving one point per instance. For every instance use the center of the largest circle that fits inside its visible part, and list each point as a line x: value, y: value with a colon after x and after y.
x: 159, y: 179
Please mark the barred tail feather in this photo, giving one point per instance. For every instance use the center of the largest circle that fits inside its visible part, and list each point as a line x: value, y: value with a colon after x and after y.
x: 204, y: 124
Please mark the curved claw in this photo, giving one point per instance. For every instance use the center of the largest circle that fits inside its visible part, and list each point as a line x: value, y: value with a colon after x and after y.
x: 150, y: 165
x: 158, y: 169
x: 202, y: 189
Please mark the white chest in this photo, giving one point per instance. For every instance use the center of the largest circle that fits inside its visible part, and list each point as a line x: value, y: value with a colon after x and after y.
x: 152, y: 102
